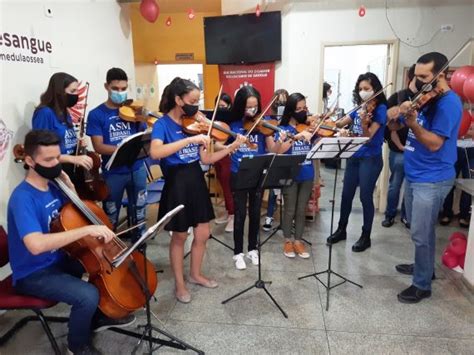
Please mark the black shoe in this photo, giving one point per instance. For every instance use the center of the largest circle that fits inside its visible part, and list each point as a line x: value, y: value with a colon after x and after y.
x: 407, y: 269
x: 87, y: 349
x: 444, y: 221
x: 337, y: 236
x: 388, y: 222
x: 413, y: 295
x: 405, y: 222
x: 362, y: 244
x: 102, y: 322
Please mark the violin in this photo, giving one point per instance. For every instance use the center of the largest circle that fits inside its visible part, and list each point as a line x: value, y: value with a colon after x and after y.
x: 133, y: 111
x: 328, y: 129
x: 200, y: 124
x: 266, y: 127
x: 90, y: 183
x: 426, y: 98
x: 120, y: 291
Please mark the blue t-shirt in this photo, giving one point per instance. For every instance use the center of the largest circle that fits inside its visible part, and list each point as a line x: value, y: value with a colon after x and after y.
x: 300, y: 147
x: 46, y: 118
x: 245, y: 151
x: 31, y: 210
x: 443, y: 117
x: 374, y: 146
x: 168, y: 131
x: 106, y: 123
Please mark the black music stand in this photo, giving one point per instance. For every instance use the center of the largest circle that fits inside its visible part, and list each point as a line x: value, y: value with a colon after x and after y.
x: 131, y: 149
x: 334, y: 148
x: 148, y: 327
x: 264, y: 172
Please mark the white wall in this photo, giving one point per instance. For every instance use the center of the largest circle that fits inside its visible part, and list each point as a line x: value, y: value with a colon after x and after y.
x: 88, y: 37
x: 306, y: 25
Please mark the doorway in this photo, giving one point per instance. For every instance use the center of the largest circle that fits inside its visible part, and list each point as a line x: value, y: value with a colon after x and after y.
x: 193, y: 72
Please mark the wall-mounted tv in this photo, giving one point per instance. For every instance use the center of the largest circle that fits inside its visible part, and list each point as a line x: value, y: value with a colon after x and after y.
x: 238, y: 39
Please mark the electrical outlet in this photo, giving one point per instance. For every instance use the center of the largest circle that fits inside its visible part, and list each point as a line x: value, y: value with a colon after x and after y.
x: 447, y: 28
x: 48, y: 11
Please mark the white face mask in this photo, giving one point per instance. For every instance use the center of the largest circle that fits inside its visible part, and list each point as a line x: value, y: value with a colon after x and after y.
x: 365, y: 95
x: 250, y: 112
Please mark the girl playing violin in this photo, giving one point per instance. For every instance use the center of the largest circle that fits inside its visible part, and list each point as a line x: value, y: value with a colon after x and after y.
x: 364, y: 167
x: 247, y: 107
x: 184, y: 180
x: 297, y: 195
x: 52, y: 115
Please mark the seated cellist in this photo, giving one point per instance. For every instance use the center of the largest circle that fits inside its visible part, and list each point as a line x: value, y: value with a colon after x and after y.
x: 39, y: 267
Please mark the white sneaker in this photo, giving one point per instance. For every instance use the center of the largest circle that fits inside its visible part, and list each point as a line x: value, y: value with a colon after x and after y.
x: 253, y: 255
x: 229, y: 228
x: 239, y: 261
x: 223, y: 219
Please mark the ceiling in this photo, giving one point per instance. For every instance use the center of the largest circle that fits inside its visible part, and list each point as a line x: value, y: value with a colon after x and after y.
x: 170, y: 6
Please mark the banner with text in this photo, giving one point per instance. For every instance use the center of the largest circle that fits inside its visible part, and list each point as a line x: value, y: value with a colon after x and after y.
x: 260, y: 76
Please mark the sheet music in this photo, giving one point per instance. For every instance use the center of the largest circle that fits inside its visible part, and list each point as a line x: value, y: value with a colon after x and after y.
x: 329, y: 147
x: 156, y: 228
x: 122, y: 143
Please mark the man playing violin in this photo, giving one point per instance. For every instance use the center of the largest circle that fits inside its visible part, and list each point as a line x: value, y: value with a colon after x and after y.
x: 107, y: 130
x: 430, y: 154
x: 39, y: 267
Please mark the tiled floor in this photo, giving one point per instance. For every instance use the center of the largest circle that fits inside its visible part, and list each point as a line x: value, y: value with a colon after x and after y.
x: 359, y: 321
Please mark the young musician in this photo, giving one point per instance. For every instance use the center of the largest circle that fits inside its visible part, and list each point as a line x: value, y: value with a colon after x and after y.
x: 246, y: 107
x: 364, y: 167
x: 297, y: 195
x: 107, y: 130
x: 396, y: 143
x: 184, y: 180
x: 51, y: 114
x: 39, y: 267
x: 223, y: 175
x: 276, y: 110
x: 430, y: 154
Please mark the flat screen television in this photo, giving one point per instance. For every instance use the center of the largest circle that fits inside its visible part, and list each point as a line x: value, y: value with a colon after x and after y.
x: 239, y: 39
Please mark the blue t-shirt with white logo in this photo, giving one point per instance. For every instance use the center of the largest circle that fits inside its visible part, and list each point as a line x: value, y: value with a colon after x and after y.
x: 443, y: 118
x: 244, y: 151
x: 105, y: 122
x: 168, y: 131
x: 300, y: 147
x: 374, y: 146
x: 31, y: 210
x: 46, y: 118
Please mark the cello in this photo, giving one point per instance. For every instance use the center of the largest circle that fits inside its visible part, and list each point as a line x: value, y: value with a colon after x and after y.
x: 120, y: 288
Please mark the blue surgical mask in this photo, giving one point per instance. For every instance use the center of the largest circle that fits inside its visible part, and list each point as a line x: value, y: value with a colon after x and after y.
x: 118, y: 97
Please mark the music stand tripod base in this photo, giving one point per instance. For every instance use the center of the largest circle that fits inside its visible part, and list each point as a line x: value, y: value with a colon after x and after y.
x: 334, y: 148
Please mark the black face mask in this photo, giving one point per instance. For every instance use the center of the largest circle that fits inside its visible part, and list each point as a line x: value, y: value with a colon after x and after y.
x: 49, y: 173
x: 419, y: 84
x: 71, y: 99
x: 300, y: 116
x: 190, y: 110
x: 223, y: 108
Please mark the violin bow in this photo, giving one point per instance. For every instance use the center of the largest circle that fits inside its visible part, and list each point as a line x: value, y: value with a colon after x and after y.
x: 257, y: 121
x: 83, y: 123
x: 215, y: 111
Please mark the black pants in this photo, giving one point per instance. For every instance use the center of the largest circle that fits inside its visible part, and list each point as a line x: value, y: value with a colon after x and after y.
x: 254, y: 198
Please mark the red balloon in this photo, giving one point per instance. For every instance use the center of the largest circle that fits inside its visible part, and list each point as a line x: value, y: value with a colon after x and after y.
x: 450, y: 260
x: 461, y: 261
x: 149, y: 10
x: 459, y: 77
x: 457, y: 235
x: 468, y: 88
x: 457, y: 247
x: 465, y: 123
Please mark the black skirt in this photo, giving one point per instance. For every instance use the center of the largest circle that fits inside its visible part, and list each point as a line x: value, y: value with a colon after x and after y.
x: 185, y: 185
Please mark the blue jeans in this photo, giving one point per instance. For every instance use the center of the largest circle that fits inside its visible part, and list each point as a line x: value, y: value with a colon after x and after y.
x: 423, y: 202
x: 117, y: 184
x: 272, y: 197
x: 62, y: 283
x: 362, y: 172
x: 464, y: 162
x: 397, y: 176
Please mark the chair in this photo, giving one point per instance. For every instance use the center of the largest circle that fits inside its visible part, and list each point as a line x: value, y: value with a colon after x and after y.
x: 9, y: 300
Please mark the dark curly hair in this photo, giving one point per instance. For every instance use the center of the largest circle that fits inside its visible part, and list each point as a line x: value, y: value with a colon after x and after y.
x: 376, y: 85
